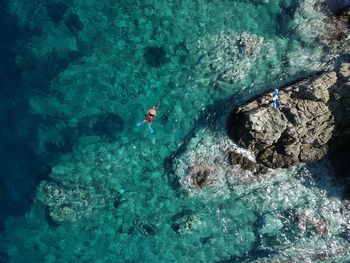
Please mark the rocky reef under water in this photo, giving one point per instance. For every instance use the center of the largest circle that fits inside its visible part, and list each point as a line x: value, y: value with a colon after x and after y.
x: 113, y: 192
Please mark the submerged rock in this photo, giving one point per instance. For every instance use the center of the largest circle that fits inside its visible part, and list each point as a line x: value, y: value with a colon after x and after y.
x: 338, y: 6
x: 227, y: 58
x: 71, y: 203
x: 345, y: 213
x: 323, y: 20
x: 105, y: 125
x: 56, y: 11
x: 155, y: 56
x: 109, y: 125
x: 307, y: 221
x: 184, y: 221
x: 200, y: 176
x: 294, y: 225
x: 74, y: 23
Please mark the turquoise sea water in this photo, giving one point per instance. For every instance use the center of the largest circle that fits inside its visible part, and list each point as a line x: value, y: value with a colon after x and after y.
x: 92, y: 68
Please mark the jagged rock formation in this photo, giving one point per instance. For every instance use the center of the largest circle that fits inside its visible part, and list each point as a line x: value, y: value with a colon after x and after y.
x: 245, y: 163
x: 313, y: 112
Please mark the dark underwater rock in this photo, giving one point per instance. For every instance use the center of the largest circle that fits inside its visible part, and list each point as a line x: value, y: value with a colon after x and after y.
x: 285, y: 16
x: 106, y: 125
x: 109, y: 125
x: 118, y: 200
x: 155, y: 56
x: 200, y: 176
x: 49, y: 219
x: 345, y: 212
x: 164, y: 119
x: 4, y: 257
x: 205, y: 240
x: 74, y: 24
x: 56, y: 11
x: 183, y: 221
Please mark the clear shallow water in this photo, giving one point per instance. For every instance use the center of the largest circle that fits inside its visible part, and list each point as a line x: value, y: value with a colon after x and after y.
x: 89, y: 61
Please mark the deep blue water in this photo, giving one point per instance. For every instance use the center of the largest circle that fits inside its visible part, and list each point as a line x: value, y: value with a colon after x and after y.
x: 21, y: 167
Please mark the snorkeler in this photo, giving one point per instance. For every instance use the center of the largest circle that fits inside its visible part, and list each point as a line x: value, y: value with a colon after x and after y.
x: 150, y: 114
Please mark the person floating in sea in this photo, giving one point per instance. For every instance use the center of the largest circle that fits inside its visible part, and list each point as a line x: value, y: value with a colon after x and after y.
x: 150, y: 114
x: 276, y: 103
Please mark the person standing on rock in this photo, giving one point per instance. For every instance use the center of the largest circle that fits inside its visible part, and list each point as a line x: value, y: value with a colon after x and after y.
x: 276, y: 103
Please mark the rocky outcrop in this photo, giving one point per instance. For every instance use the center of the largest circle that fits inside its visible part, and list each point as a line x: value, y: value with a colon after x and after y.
x: 212, y: 164
x: 200, y: 176
x: 245, y: 163
x: 313, y: 113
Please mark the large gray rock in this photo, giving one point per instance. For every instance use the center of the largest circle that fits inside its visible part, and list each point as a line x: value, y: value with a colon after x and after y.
x: 302, y: 128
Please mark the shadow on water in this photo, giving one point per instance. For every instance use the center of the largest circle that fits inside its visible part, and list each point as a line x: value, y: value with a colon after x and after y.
x: 340, y: 142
